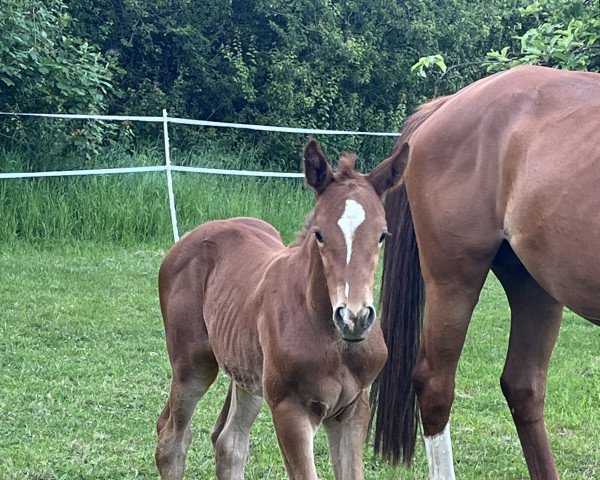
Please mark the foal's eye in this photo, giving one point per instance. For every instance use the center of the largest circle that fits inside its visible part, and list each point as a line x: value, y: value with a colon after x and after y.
x: 383, y: 236
x: 318, y: 236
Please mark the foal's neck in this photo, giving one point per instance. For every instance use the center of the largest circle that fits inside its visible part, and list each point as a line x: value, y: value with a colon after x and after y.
x: 310, y: 274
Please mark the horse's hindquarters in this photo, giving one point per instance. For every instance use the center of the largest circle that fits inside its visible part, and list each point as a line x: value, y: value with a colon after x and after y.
x: 552, y: 224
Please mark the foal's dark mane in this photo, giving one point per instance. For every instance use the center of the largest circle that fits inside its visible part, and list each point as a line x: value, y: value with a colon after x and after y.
x: 344, y: 170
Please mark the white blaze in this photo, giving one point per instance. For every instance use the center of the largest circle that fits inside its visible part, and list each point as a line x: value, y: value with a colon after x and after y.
x: 439, y: 455
x: 353, y: 216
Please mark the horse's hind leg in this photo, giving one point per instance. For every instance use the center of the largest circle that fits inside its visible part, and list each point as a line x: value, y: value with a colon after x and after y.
x: 231, y: 435
x: 194, y: 370
x: 535, y: 321
x: 451, y: 295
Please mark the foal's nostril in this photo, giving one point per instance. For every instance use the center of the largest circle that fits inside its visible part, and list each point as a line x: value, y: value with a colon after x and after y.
x: 371, y: 315
x: 367, y: 316
x: 339, y: 313
x: 347, y: 319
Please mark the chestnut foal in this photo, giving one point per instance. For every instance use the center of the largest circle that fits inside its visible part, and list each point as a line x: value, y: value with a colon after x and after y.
x: 295, y: 326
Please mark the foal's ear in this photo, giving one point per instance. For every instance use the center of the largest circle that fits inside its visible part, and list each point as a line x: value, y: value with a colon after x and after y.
x: 389, y: 172
x: 317, y: 171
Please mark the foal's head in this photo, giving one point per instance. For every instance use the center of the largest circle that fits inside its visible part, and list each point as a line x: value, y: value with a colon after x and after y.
x: 349, y: 227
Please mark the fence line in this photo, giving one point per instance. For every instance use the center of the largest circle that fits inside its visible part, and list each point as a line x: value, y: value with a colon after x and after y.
x: 246, y: 173
x: 168, y: 167
x: 202, y: 123
x: 157, y: 168
x: 170, y: 178
x: 72, y: 173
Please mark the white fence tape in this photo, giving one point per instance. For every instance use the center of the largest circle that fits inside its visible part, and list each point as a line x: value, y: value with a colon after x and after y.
x: 158, y: 168
x: 72, y: 173
x: 264, y: 128
x: 77, y: 116
x: 202, y: 123
x: 245, y: 173
x: 168, y: 168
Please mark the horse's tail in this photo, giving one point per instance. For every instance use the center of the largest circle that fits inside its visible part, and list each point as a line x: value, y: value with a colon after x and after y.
x: 393, y: 399
x: 396, y: 416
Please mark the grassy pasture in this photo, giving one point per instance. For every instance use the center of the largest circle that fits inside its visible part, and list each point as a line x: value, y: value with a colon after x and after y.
x: 83, y: 367
x: 84, y: 375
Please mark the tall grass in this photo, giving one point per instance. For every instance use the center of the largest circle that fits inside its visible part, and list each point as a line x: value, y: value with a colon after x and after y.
x: 134, y: 208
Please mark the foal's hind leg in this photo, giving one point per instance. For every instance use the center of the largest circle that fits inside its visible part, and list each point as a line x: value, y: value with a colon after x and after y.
x: 194, y: 370
x: 535, y: 321
x: 222, y: 420
x: 231, y: 436
x: 174, y: 432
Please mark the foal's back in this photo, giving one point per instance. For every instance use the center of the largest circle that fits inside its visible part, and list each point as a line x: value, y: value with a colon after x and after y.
x: 213, y: 272
x: 241, y: 247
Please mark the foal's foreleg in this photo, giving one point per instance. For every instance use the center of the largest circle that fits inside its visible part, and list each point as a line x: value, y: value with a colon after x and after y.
x: 231, y: 439
x: 296, y: 428
x: 535, y: 321
x: 347, y: 434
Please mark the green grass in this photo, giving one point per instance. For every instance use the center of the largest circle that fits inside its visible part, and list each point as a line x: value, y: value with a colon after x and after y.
x: 84, y: 375
x: 83, y: 367
x: 134, y: 207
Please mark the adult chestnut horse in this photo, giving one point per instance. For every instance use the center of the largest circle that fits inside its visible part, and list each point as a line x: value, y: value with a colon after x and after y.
x: 503, y: 175
x: 293, y: 325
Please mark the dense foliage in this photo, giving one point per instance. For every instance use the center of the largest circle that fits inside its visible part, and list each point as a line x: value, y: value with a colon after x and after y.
x: 553, y: 33
x: 326, y: 64
x: 565, y: 34
x: 338, y: 64
x: 45, y: 68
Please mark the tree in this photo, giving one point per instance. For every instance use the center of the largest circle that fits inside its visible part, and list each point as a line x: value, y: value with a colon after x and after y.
x: 338, y: 64
x: 565, y: 35
x: 554, y: 33
x: 44, y: 68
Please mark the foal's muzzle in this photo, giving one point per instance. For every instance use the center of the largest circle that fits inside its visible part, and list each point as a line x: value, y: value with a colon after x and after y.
x: 354, y: 327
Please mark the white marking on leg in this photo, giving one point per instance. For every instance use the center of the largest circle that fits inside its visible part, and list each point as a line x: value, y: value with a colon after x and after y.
x: 353, y: 216
x: 439, y: 455
x: 347, y: 290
